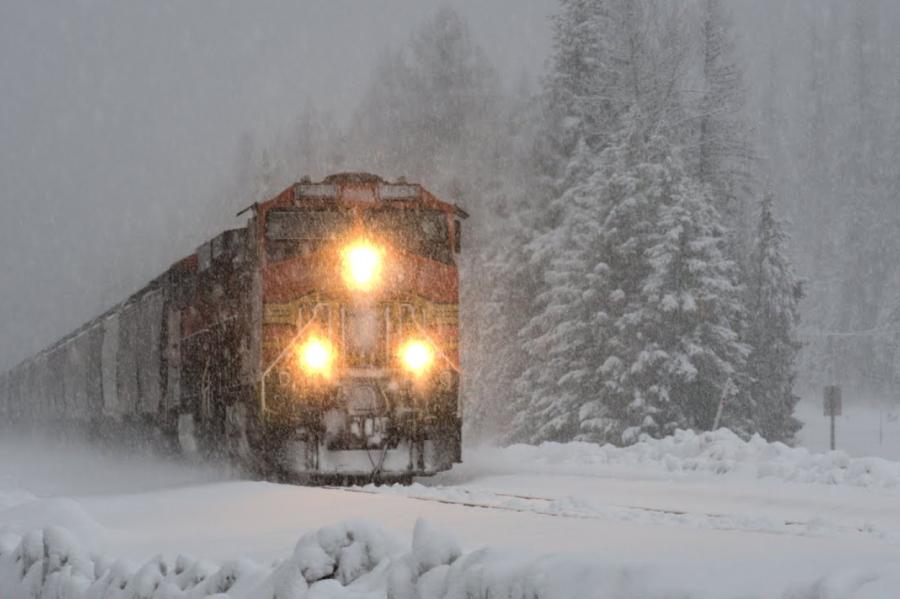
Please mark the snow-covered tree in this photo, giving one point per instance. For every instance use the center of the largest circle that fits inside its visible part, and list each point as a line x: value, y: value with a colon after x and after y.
x: 724, y: 157
x: 634, y: 180
x: 773, y: 295
x: 637, y: 327
x: 672, y: 324
x: 561, y: 346
x: 576, y: 101
x: 611, y: 58
x: 691, y: 317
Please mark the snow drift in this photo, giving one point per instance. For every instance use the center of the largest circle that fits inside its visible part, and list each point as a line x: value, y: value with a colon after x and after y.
x: 359, y: 560
x: 718, y: 453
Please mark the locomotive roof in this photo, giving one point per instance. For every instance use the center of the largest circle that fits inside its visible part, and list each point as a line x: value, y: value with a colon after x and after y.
x: 353, y: 178
x: 357, y: 188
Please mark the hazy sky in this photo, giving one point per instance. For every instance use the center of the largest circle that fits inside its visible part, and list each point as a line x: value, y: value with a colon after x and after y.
x: 120, y: 120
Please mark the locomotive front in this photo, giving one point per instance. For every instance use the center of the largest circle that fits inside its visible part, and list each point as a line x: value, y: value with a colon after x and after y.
x: 358, y: 316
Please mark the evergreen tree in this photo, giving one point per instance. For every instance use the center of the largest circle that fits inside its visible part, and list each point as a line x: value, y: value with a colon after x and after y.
x: 611, y: 58
x: 577, y: 104
x: 671, y: 327
x: 637, y: 330
x: 691, y: 317
x: 773, y: 298
x: 724, y: 158
x: 613, y: 86
x: 558, y: 338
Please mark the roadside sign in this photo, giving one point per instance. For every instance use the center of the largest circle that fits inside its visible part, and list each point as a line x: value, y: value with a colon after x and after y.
x: 832, y: 400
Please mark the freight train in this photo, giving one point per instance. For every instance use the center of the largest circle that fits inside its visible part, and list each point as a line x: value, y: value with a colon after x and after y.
x: 319, y: 342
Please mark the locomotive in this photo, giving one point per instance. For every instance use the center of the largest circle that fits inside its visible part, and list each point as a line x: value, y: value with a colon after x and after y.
x: 317, y: 343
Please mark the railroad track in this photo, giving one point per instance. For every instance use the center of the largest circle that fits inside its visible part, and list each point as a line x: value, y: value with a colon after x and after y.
x: 555, y: 507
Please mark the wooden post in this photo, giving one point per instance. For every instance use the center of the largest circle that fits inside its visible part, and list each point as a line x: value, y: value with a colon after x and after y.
x: 715, y: 425
x: 832, y: 432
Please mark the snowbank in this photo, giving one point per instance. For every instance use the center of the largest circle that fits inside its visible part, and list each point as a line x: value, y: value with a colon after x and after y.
x: 351, y: 559
x: 714, y: 453
x: 359, y: 560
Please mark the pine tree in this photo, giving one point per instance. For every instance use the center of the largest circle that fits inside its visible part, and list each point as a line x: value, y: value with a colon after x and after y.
x: 629, y: 188
x: 576, y: 102
x: 558, y: 338
x: 691, y: 318
x: 613, y: 85
x: 637, y: 329
x: 773, y: 297
x: 724, y: 157
x: 611, y: 58
x: 670, y: 330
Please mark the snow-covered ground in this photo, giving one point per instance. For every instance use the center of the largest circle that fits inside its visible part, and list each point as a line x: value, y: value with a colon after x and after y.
x: 690, y: 516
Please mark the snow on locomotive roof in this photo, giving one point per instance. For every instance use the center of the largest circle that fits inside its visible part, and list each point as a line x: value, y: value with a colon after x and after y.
x: 386, y: 191
x: 367, y: 188
x: 353, y: 178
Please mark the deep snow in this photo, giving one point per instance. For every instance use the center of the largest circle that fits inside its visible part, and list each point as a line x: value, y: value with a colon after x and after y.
x: 691, y: 516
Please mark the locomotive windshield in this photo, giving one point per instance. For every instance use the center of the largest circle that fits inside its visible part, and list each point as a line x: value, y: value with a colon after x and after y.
x: 421, y: 232
x: 292, y: 232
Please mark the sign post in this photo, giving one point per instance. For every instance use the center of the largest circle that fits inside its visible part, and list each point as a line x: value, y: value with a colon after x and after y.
x: 833, y: 406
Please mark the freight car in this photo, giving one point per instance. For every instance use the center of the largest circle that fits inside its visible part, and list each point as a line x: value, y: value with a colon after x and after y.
x: 319, y: 342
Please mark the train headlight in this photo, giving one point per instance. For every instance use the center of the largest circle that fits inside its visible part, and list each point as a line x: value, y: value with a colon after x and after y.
x: 362, y: 262
x: 316, y: 356
x: 417, y: 356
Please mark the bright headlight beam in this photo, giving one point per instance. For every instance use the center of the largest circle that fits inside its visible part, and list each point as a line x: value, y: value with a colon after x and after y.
x: 315, y: 356
x: 416, y: 356
x: 362, y: 265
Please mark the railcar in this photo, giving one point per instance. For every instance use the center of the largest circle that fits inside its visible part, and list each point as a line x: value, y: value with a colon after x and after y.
x: 319, y: 342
